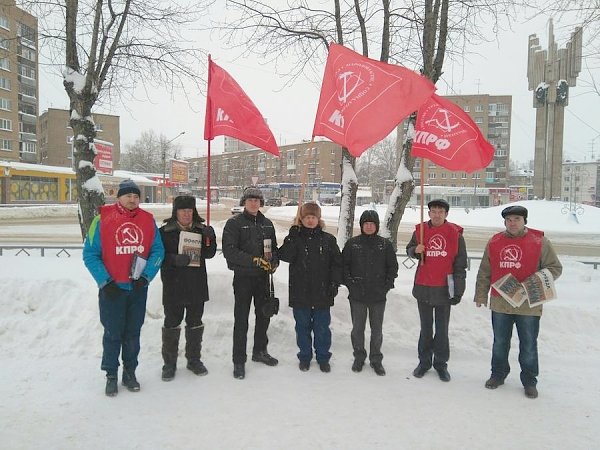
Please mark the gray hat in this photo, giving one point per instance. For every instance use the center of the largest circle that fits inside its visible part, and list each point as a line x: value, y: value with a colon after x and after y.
x: 439, y: 203
x: 252, y: 192
x: 515, y: 210
x: 128, y: 187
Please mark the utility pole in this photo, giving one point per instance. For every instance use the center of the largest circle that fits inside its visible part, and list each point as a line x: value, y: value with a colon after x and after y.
x: 164, y: 146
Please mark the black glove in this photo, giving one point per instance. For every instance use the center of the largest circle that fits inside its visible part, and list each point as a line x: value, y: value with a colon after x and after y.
x: 112, y: 289
x: 455, y: 300
x: 140, y: 283
x: 333, y: 289
x: 294, y: 232
x: 209, y: 233
x: 182, y: 260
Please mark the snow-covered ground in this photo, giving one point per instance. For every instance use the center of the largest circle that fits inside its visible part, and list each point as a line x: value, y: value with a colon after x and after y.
x: 52, y: 389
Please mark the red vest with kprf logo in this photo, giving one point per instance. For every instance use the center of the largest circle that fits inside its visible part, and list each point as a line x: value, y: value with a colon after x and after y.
x: 519, y: 256
x: 441, y: 247
x: 124, y: 233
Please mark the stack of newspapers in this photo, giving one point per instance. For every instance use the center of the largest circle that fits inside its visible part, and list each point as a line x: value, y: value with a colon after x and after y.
x: 536, y: 290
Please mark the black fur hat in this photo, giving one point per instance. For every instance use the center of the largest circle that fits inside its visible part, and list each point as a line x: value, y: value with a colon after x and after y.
x: 186, y: 202
x: 252, y: 192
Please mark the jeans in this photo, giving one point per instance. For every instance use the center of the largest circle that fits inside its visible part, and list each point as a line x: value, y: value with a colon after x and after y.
x: 316, y: 321
x: 430, y: 346
x: 358, y: 312
x: 245, y: 289
x: 122, y: 318
x: 528, y: 328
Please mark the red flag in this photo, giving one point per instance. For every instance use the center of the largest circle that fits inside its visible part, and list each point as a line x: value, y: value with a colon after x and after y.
x: 229, y: 112
x: 362, y: 100
x: 447, y: 136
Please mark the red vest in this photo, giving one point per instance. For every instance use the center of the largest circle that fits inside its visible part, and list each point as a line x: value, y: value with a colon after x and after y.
x: 122, y: 234
x: 517, y: 255
x: 441, y: 248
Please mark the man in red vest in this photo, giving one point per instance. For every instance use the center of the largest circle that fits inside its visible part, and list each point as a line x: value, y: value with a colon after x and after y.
x: 520, y: 251
x: 122, y: 237
x: 439, y: 283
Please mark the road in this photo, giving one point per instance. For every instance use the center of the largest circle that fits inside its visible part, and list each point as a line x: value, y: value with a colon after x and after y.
x: 65, y: 231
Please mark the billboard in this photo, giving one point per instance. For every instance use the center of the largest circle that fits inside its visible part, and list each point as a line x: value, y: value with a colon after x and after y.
x: 179, y: 172
x: 103, y: 160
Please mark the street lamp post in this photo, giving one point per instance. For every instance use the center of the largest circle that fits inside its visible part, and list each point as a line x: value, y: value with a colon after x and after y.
x: 164, y: 161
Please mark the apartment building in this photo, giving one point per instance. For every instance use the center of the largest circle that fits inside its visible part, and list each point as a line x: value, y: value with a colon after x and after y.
x: 19, y: 89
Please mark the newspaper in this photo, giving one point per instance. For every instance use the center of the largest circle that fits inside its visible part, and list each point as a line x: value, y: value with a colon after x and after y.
x: 536, y: 289
x: 191, y: 244
x: 511, y: 290
x: 138, y: 264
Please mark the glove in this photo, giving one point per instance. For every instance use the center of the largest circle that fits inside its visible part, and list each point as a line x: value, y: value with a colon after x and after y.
x: 294, y: 232
x: 455, y: 300
x: 112, y: 289
x: 182, y: 260
x: 209, y: 233
x: 333, y: 289
x: 140, y: 283
x: 262, y: 263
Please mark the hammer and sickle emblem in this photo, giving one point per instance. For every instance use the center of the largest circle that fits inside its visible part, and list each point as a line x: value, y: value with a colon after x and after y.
x: 351, y: 81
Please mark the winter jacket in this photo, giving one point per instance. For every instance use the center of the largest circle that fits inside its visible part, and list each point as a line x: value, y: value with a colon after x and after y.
x: 243, y: 239
x: 93, y: 258
x: 184, y: 285
x: 440, y: 295
x: 315, y: 267
x: 370, y: 268
x: 548, y: 260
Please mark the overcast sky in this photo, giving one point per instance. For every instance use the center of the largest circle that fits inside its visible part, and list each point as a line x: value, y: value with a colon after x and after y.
x: 498, y: 68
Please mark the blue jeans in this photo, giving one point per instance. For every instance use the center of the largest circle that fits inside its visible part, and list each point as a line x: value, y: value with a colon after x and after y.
x: 122, y: 318
x: 528, y: 328
x: 316, y: 321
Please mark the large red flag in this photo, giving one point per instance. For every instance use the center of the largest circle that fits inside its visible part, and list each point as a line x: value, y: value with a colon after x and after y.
x: 447, y: 136
x: 362, y: 100
x: 229, y: 112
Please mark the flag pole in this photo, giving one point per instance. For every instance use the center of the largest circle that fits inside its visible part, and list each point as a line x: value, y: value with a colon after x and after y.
x: 209, y: 118
x: 422, y: 228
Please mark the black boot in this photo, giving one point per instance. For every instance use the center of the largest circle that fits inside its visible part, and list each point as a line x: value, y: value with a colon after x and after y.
x: 193, y: 346
x: 264, y: 358
x: 378, y: 368
x: 112, y: 387
x: 129, y: 380
x: 239, y: 371
x: 170, y: 348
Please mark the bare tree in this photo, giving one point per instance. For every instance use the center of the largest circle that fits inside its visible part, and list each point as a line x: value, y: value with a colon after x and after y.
x: 418, y: 34
x: 108, y: 48
x: 146, y: 153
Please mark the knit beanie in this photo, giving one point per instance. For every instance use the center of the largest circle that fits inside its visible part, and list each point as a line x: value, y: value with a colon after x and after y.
x: 252, y: 192
x: 369, y: 215
x: 310, y: 209
x: 128, y: 187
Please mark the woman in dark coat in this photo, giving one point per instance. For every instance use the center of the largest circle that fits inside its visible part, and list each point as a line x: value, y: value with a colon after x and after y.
x: 315, y: 275
x: 185, y: 287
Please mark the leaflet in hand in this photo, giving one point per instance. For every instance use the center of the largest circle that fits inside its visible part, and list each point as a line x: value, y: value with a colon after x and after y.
x: 191, y: 244
x: 511, y: 290
x: 138, y: 264
x: 536, y: 289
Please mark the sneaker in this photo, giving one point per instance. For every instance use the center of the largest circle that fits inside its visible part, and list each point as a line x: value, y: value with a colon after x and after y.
x: 196, y: 366
x: 304, y: 366
x: 493, y: 383
x: 130, y: 382
x: 239, y: 371
x: 531, y: 392
x: 112, y: 387
x: 168, y: 372
x: 325, y: 367
x: 443, y: 374
x: 378, y: 368
x: 264, y: 358
x: 420, y: 371
x: 357, y: 365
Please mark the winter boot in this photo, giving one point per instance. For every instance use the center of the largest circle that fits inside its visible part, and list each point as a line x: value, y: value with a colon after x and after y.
x: 193, y: 346
x: 493, y: 382
x: 170, y: 348
x: 129, y: 381
x: 304, y: 366
x: 531, y: 392
x: 112, y: 387
x: 420, y: 371
x: 264, y: 358
x: 239, y: 371
x: 443, y: 374
x: 378, y: 368
x: 357, y: 365
x: 325, y: 367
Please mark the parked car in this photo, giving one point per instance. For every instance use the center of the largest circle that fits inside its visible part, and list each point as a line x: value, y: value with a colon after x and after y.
x: 237, y: 209
x: 292, y: 203
x: 273, y: 202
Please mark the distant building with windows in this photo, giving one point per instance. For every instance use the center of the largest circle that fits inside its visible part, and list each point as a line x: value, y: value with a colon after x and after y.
x: 581, y: 182
x: 19, y: 91
x: 492, y: 114
x: 231, y: 145
x: 56, y: 137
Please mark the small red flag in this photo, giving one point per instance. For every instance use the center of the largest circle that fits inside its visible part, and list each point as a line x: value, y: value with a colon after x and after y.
x: 447, y: 136
x: 230, y: 112
x: 362, y: 100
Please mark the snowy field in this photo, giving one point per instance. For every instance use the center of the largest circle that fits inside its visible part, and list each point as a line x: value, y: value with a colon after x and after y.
x: 52, y: 389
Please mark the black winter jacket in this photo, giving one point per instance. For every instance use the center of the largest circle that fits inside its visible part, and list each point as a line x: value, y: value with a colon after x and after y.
x: 183, y: 285
x: 243, y: 238
x: 315, y: 268
x: 370, y: 268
